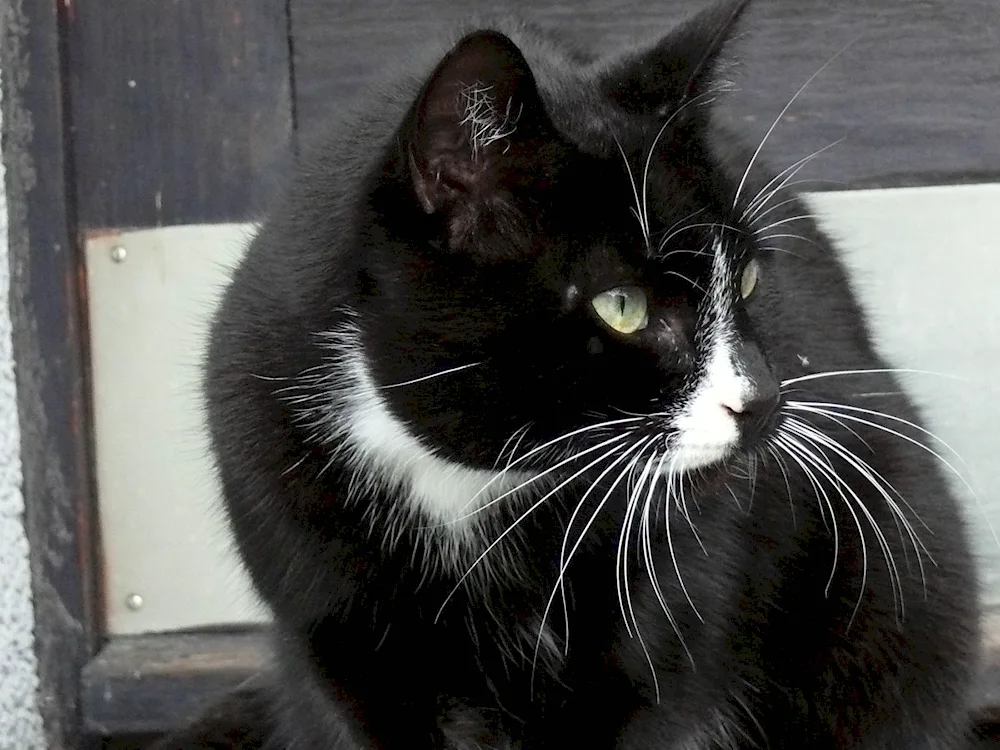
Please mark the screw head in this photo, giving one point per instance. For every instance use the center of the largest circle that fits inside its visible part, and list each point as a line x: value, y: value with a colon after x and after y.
x: 118, y: 254
x: 133, y: 602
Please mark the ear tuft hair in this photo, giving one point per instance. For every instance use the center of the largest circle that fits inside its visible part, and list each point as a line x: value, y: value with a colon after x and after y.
x: 477, y: 110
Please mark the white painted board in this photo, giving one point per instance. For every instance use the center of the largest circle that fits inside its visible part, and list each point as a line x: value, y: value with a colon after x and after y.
x: 151, y: 294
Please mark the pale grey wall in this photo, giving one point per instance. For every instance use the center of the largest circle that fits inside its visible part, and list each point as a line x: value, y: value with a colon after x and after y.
x: 20, y: 721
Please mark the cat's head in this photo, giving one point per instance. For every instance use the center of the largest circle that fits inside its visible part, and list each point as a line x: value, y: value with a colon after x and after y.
x: 557, y: 256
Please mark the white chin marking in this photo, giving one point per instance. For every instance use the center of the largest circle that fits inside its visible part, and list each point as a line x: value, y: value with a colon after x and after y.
x: 707, y: 433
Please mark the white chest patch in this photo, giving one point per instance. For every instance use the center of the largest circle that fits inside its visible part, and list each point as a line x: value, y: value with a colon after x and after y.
x: 384, y: 452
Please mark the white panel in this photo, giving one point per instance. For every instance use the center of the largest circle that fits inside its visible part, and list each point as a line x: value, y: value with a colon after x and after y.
x: 926, y: 262
x: 165, y: 542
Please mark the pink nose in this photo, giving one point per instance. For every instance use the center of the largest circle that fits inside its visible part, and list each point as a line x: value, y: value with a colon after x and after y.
x: 733, y: 407
x: 753, y: 414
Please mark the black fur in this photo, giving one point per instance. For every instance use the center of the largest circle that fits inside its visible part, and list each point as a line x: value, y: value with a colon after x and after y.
x: 446, y: 257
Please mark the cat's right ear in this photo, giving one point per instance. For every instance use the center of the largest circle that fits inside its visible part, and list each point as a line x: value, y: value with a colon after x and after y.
x: 475, y: 124
x: 680, y: 67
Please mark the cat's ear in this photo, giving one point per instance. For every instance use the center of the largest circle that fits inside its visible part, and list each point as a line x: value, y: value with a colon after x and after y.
x: 679, y: 67
x: 477, y: 118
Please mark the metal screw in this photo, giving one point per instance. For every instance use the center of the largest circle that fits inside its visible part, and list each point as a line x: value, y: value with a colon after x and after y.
x: 133, y: 602
x: 118, y: 254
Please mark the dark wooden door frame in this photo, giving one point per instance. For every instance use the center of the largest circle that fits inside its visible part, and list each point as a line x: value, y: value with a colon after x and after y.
x: 96, y: 98
x: 49, y: 345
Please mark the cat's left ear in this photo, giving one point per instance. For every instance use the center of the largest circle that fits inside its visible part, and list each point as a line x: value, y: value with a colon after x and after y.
x: 475, y: 124
x: 679, y: 67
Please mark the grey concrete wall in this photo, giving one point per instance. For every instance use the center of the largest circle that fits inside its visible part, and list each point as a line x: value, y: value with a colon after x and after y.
x: 20, y: 721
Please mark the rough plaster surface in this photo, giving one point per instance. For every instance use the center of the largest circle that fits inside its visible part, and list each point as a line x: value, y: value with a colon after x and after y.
x: 20, y: 721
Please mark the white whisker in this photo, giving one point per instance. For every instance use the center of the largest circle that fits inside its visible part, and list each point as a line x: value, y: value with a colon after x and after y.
x: 791, y: 236
x: 541, y: 501
x: 881, y: 485
x: 757, y: 202
x: 635, y: 192
x: 833, y: 416
x: 546, y: 445
x: 782, y: 222
x: 736, y: 500
x: 269, y: 378
x: 784, y: 475
x: 536, y: 477
x: 819, y: 440
x: 684, y: 250
x: 693, y: 283
x: 623, y: 557
x: 517, y: 435
x: 874, y: 371
x: 431, y: 376
x: 762, y: 213
x: 849, y: 429
x: 682, y: 506
x: 748, y: 712
x: 822, y: 407
x: 752, y: 466
x: 644, y: 208
x: 686, y: 227
x: 786, y: 185
x: 670, y: 543
x: 647, y: 550
x: 564, y: 559
x: 825, y: 505
x: 777, y: 119
x: 821, y: 463
x: 680, y: 221
x: 818, y: 408
x: 777, y: 249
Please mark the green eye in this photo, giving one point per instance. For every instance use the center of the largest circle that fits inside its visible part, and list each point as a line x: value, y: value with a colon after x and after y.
x: 748, y: 281
x: 623, y: 308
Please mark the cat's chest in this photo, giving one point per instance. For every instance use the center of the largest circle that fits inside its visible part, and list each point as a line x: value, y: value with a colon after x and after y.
x: 412, y: 483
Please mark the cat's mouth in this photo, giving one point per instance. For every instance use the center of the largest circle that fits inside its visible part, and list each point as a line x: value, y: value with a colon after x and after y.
x: 712, y: 433
x: 758, y: 427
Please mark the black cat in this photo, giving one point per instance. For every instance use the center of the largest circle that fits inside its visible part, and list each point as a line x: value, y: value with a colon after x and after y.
x: 545, y: 417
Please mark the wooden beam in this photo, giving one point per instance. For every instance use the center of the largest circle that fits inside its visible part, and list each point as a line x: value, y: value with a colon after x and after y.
x: 182, y: 111
x: 158, y: 683
x: 914, y: 95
